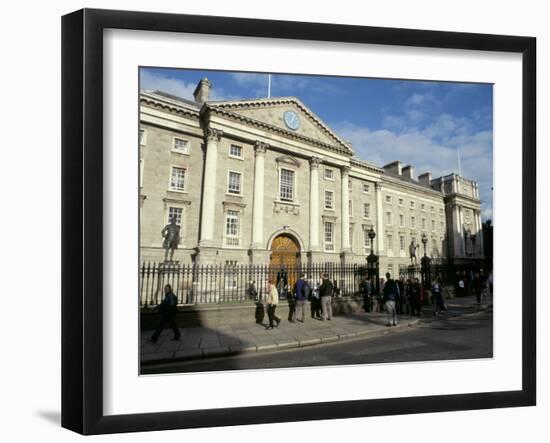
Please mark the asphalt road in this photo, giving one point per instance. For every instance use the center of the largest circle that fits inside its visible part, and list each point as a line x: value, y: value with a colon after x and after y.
x: 464, y: 337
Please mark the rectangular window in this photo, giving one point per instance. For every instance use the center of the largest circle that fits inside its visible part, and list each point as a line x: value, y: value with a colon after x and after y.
x: 366, y: 240
x: 232, y: 228
x: 389, y: 242
x: 236, y: 151
x: 350, y: 208
x: 413, y: 222
x: 423, y: 223
x: 351, y: 235
x: 412, y: 205
x: 433, y: 225
x: 402, y: 242
x: 329, y: 236
x: 388, y: 198
x: 388, y: 218
x: 142, y: 136
x: 329, y: 174
x: 401, y: 220
x: 175, y: 214
x: 442, y: 226
x: 234, y: 183
x: 177, y: 178
x: 286, y: 185
x: 350, y: 185
x: 181, y: 145
x: 329, y: 200
x: 366, y: 210
x: 432, y: 209
x: 366, y: 188
x: 400, y: 202
x: 422, y: 206
x: 390, y: 270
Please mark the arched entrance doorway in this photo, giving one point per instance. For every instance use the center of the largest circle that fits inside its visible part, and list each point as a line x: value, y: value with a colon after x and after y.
x: 285, y: 253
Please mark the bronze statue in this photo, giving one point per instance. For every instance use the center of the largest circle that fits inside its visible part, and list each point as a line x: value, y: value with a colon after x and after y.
x: 171, y: 235
x: 412, y: 252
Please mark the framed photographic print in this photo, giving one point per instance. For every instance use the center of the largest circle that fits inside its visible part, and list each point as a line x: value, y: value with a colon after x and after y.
x: 249, y: 200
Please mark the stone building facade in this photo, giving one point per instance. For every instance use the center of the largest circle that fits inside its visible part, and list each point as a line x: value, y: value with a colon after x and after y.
x: 266, y: 181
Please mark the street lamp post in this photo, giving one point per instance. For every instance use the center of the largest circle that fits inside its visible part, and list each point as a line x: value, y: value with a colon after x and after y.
x: 373, y: 268
x: 425, y: 264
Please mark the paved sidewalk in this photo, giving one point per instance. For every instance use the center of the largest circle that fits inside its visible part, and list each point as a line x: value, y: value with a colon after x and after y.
x: 200, y: 342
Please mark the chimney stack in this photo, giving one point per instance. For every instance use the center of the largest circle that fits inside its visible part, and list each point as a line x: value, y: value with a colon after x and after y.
x: 393, y: 167
x: 408, y: 172
x: 425, y: 179
x: 202, y: 91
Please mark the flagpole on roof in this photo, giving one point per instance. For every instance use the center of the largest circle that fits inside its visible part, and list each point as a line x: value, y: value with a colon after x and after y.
x: 268, y: 85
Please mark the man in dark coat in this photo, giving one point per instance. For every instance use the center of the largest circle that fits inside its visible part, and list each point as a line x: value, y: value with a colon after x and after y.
x: 365, y: 292
x: 390, y: 298
x: 302, y: 291
x: 414, y: 297
x: 326, y: 291
x: 168, y: 309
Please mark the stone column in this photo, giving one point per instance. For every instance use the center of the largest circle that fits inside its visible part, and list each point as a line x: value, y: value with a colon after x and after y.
x: 314, y: 204
x: 379, y: 219
x: 480, y: 233
x: 213, y: 137
x: 456, y: 229
x: 258, y: 214
x: 461, y: 230
x: 345, y: 209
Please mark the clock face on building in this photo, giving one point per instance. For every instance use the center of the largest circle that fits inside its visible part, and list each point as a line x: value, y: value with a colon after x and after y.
x: 291, y: 120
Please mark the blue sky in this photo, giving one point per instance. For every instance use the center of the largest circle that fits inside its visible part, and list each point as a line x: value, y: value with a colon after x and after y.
x: 421, y: 123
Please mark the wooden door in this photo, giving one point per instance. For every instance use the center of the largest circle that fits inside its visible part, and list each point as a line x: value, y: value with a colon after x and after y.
x: 285, y: 253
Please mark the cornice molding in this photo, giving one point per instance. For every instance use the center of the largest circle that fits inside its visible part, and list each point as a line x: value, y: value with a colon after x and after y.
x: 169, y: 107
x: 409, y: 185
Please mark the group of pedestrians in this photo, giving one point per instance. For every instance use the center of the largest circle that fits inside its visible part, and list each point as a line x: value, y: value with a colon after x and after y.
x: 408, y: 295
x: 476, y: 283
x: 319, y: 295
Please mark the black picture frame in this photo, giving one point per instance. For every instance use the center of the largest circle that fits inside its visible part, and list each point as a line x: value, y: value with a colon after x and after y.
x: 82, y: 218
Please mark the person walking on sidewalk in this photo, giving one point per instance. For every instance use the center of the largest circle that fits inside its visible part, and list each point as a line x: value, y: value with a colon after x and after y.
x: 366, y: 292
x: 326, y: 291
x: 437, y: 290
x: 415, y: 297
x: 390, y: 298
x: 168, y: 309
x: 477, y: 287
x: 302, y: 291
x: 272, y: 300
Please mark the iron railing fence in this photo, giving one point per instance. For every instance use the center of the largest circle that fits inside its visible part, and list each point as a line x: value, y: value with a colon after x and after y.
x: 226, y: 283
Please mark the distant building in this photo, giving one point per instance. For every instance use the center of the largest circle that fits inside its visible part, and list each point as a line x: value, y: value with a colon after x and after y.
x: 267, y: 181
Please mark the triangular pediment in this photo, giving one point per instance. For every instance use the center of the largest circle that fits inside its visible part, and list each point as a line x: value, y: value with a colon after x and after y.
x: 288, y: 114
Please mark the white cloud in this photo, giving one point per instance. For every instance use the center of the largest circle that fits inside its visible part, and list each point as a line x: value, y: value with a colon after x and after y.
x: 154, y: 81
x: 418, y: 99
x: 433, y: 149
x: 151, y: 81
